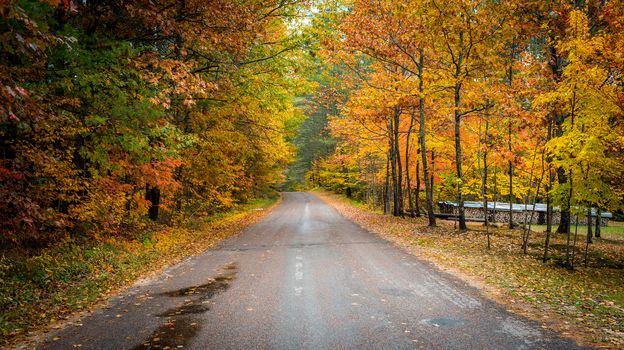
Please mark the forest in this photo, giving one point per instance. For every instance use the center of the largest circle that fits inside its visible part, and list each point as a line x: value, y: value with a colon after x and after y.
x: 114, y: 112
x: 516, y: 102
x: 118, y: 112
x: 123, y: 118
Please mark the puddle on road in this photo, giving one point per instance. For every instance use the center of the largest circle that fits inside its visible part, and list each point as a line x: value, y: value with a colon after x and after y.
x: 174, y: 333
x: 207, y: 290
x: 186, y: 309
x: 180, y: 327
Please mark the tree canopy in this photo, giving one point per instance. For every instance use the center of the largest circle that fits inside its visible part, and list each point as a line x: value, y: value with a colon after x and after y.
x: 115, y: 113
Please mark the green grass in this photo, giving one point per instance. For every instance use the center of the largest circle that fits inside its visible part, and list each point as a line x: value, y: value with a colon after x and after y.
x: 615, y: 230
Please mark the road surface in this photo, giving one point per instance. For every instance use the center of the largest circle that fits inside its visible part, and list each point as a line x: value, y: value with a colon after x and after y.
x: 304, y: 278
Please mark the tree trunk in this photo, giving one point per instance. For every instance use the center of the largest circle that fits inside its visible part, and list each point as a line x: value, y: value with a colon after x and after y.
x: 407, y: 172
x: 345, y: 175
x: 373, y: 188
x: 548, y: 200
x: 571, y: 253
x: 598, y: 216
x: 564, y: 224
x: 417, y: 199
x: 556, y: 66
x: 431, y: 176
x: 548, y: 197
x: 423, y: 143
x: 589, y: 226
x: 570, y: 181
x: 152, y: 194
x: 484, y: 186
x: 386, y: 192
x: 511, y: 224
x: 569, y: 263
x: 458, y: 154
x: 393, y: 170
x: 548, y: 217
x: 527, y: 228
x: 510, y: 76
x: 397, y: 157
x: 495, y: 191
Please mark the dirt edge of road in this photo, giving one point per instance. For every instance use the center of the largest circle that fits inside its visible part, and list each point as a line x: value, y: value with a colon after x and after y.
x: 547, y: 319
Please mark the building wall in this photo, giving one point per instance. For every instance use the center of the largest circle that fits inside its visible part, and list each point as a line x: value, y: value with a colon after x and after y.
x: 517, y: 216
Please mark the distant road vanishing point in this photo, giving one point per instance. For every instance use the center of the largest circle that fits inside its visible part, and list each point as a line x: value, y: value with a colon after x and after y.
x: 304, y: 278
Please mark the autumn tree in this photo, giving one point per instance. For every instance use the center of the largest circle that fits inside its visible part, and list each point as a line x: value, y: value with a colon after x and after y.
x: 465, y: 34
x: 588, y: 150
x: 118, y: 111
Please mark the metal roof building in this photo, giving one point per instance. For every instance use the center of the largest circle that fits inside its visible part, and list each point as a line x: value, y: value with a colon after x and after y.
x: 502, y: 206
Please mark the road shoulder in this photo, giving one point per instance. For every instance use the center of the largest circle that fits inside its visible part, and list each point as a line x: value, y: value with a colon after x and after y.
x: 459, y: 256
x: 170, y: 253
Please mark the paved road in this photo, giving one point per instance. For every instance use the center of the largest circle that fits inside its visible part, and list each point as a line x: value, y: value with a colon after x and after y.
x: 304, y: 278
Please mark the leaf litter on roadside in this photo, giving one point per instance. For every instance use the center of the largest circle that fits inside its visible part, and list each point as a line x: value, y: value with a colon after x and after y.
x: 586, y: 304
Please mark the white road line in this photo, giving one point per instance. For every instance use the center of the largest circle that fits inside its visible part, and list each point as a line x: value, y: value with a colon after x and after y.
x: 298, y: 274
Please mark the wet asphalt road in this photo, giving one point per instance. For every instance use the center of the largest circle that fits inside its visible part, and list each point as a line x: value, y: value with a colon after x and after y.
x: 304, y: 278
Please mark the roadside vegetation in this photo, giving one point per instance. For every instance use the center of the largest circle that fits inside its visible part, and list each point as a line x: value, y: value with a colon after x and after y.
x: 518, y: 102
x: 116, y: 115
x: 44, y: 287
x: 586, y: 304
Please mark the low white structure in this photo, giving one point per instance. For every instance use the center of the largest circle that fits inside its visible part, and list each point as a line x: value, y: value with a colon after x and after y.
x: 499, y: 212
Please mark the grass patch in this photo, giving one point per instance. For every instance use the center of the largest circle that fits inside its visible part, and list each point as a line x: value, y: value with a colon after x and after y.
x: 615, y: 230
x: 40, y: 288
x: 586, y: 304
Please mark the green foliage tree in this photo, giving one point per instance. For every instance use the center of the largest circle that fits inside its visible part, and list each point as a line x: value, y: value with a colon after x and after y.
x: 115, y: 112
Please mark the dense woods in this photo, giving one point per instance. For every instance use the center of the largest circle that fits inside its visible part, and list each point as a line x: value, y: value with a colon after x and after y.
x: 135, y: 133
x: 115, y: 113
x: 515, y: 101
